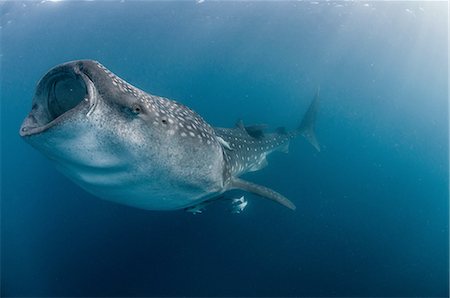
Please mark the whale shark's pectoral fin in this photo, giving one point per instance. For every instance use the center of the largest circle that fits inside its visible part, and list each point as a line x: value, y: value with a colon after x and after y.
x: 262, y: 191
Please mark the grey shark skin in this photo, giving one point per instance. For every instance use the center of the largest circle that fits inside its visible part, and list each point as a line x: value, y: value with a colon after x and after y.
x: 124, y: 145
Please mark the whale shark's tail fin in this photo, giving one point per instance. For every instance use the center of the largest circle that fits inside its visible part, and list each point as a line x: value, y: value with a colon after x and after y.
x: 307, y: 125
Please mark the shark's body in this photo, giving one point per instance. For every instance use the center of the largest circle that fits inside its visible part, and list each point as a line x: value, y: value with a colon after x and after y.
x: 124, y: 145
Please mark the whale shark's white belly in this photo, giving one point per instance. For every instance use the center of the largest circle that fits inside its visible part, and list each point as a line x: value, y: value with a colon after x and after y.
x: 104, y: 167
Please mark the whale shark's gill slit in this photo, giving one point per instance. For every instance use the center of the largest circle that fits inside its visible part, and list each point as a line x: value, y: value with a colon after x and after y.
x: 66, y: 93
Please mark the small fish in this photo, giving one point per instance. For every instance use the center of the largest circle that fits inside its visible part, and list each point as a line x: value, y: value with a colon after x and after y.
x: 238, y: 205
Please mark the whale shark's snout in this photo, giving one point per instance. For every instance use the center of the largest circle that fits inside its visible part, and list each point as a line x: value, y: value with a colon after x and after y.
x: 65, y: 90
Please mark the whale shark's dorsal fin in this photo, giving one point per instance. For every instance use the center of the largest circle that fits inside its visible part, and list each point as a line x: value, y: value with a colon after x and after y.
x: 240, y: 124
x: 255, y: 131
x: 262, y: 191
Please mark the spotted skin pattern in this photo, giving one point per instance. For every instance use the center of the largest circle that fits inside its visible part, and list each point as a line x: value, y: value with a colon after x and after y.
x: 167, y: 112
x: 247, y: 153
x: 244, y: 152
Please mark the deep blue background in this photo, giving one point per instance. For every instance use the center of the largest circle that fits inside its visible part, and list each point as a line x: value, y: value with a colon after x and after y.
x: 372, y: 207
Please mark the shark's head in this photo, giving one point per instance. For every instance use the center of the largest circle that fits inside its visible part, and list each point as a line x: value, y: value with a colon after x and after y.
x: 79, y: 87
x: 117, y: 141
x: 85, y: 115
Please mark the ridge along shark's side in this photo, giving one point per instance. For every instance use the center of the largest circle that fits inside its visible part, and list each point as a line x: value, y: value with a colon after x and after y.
x: 124, y: 145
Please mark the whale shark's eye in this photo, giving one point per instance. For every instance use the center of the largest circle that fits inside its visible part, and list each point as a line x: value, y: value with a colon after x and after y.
x: 136, y: 109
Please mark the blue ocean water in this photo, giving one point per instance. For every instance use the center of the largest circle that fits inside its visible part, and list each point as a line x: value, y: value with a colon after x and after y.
x: 372, y: 207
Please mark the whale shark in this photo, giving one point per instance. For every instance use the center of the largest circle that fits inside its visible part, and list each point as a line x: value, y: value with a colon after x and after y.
x: 122, y: 144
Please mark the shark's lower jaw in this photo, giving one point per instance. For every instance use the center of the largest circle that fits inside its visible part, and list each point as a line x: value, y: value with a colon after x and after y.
x: 65, y: 90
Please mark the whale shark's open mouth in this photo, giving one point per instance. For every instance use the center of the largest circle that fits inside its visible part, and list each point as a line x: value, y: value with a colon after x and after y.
x: 65, y: 94
x: 62, y: 92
